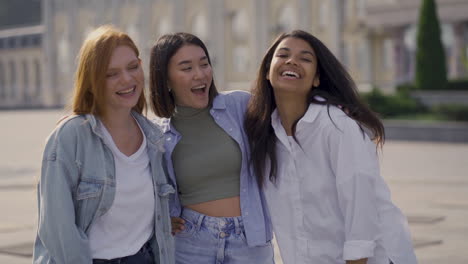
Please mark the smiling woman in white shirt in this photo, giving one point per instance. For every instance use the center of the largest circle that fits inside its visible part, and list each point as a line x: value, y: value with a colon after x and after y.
x: 317, y: 164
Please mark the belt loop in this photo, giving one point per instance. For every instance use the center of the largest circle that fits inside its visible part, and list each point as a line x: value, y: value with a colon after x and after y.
x: 237, y: 226
x: 200, y: 221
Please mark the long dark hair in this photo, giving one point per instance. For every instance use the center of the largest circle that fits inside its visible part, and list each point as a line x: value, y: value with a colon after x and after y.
x: 162, y: 101
x: 336, y: 87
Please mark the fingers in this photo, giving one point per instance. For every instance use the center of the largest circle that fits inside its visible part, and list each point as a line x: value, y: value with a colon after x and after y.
x: 177, y: 224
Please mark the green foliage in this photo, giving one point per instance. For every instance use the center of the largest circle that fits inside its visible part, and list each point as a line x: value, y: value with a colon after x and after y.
x: 389, y: 106
x: 458, y: 85
x: 452, y: 112
x: 401, y: 106
x: 452, y: 85
x: 431, y: 71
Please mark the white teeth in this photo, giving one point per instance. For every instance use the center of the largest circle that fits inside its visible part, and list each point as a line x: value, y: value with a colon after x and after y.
x: 199, y: 87
x: 290, y: 73
x: 127, y: 91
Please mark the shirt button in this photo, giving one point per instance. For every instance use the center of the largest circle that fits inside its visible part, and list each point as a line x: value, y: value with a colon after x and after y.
x: 222, y: 223
x: 230, y: 129
x: 222, y: 234
x: 168, y: 139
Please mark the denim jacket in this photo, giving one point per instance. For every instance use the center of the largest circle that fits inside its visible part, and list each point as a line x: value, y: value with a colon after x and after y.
x: 77, y: 185
x: 228, y: 112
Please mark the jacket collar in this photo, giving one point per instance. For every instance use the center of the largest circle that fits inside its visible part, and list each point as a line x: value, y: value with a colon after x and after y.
x: 152, y: 132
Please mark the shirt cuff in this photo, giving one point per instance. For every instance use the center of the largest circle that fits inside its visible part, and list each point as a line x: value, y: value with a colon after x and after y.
x: 358, y: 249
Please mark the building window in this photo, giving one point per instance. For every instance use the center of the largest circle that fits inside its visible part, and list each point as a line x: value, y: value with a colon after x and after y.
x: 38, y: 84
x: 387, y: 56
x: 287, y: 19
x: 361, y: 8
x: 164, y: 26
x: 12, y: 93
x: 240, y: 25
x: 240, y: 55
x: 200, y: 27
x: 2, y: 82
x: 26, y: 93
x: 363, y: 54
x: 344, y: 55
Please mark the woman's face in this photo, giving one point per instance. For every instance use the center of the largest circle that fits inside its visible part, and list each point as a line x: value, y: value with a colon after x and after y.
x: 124, y: 79
x: 293, y: 67
x: 190, y: 77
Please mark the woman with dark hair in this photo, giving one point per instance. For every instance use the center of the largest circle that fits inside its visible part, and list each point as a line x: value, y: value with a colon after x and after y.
x: 317, y: 164
x: 102, y: 195
x: 218, y: 211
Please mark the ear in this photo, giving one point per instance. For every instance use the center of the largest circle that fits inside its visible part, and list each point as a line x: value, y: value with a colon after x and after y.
x: 316, y: 81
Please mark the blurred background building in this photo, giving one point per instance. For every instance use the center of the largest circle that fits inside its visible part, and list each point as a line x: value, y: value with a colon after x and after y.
x: 374, y: 39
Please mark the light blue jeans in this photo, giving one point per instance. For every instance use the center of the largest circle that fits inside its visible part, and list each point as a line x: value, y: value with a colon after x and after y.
x: 217, y: 240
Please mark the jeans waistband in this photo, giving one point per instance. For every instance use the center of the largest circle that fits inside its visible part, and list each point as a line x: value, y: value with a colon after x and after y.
x: 224, y: 224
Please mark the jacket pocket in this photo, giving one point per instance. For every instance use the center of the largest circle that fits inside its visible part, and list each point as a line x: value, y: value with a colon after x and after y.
x: 164, y: 192
x: 88, y: 189
x: 88, y: 196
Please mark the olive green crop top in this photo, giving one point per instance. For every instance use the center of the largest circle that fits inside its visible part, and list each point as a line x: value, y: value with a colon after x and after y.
x: 207, y: 161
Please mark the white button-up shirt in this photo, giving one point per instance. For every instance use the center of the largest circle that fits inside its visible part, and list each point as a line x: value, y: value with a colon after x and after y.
x: 329, y: 203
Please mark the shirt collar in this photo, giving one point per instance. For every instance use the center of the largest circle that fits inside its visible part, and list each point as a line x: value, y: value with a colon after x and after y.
x: 219, y: 102
x: 309, y: 117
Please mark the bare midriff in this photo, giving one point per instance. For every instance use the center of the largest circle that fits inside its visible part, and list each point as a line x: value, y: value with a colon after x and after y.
x: 227, y: 207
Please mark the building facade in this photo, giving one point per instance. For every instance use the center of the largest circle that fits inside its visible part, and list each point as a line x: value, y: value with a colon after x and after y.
x: 21, y: 63
x: 391, y: 27
x: 373, y: 38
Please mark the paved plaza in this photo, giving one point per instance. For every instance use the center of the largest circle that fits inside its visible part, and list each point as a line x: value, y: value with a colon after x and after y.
x: 429, y: 182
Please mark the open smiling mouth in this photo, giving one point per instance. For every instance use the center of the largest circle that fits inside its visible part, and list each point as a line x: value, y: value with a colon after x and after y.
x: 290, y: 74
x: 127, y: 91
x: 200, y: 89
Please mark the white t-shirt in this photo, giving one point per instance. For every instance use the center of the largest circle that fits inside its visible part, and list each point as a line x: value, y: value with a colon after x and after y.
x: 129, y: 223
x: 330, y: 203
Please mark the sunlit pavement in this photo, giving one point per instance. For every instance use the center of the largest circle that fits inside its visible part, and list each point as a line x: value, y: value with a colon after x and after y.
x: 429, y: 182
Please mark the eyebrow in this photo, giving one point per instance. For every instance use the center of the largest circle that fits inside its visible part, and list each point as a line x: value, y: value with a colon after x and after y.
x: 189, y: 61
x: 116, y: 68
x: 302, y: 51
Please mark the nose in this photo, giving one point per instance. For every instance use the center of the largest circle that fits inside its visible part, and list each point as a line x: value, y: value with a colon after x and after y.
x: 198, y: 74
x: 291, y: 60
x: 126, y: 76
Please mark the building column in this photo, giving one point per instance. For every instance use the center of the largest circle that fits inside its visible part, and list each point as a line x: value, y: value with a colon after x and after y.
x: 336, y: 33
x: 216, y: 23
x: 178, y: 20
x: 400, y: 54
x: 304, y: 18
x: 48, y: 94
x: 260, y: 33
x: 456, y: 67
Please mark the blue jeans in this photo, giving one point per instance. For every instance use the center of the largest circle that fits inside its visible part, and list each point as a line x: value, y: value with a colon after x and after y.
x: 143, y: 256
x: 217, y: 240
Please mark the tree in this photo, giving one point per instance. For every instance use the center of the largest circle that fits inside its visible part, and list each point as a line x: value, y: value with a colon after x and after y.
x: 431, y: 69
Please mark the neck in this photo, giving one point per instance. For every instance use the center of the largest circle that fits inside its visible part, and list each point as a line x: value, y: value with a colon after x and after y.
x: 117, y: 120
x: 290, y: 109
